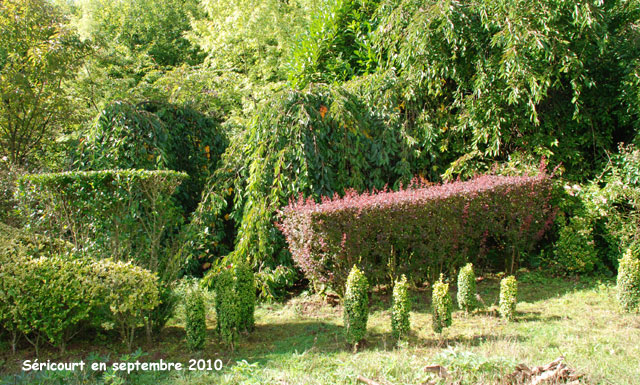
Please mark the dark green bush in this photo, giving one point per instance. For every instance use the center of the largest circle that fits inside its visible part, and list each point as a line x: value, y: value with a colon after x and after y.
x: 226, y: 306
x: 245, y: 288
x: 195, y: 319
x: 119, y: 214
x: 154, y: 136
x: 400, y: 322
x: 442, y: 305
x: 628, y: 285
x: 356, y: 306
x: 508, y: 297
x: 467, y: 288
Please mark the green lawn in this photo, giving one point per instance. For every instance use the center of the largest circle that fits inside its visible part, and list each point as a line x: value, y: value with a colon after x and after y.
x: 301, y: 342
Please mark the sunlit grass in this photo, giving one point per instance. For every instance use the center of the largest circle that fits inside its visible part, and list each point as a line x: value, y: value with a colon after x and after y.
x: 301, y: 341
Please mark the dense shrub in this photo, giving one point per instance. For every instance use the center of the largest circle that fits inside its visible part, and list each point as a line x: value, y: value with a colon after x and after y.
x: 23, y: 243
x: 467, y: 288
x: 356, y: 306
x: 195, y: 319
x: 128, y: 292
x: 431, y: 229
x: 226, y: 306
x: 442, y: 305
x: 154, y: 136
x: 400, y: 322
x: 508, y: 297
x: 119, y: 214
x: 245, y: 288
x: 46, y: 298
x: 51, y: 298
x: 628, y: 285
x: 575, y: 249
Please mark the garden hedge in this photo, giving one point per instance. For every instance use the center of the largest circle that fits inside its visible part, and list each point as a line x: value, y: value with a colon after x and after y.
x: 419, y: 232
x: 50, y: 299
x: 119, y: 214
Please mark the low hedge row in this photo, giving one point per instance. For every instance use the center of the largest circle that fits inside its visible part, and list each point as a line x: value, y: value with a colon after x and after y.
x: 51, y: 298
x: 119, y: 214
x: 419, y: 232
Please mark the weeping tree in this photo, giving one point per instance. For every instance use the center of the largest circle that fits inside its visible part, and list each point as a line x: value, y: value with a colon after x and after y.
x: 316, y: 142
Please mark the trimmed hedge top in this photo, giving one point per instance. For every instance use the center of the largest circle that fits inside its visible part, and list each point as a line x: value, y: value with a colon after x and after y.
x: 419, y: 232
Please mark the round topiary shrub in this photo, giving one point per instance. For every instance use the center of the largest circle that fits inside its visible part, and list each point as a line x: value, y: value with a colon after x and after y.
x: 400, y: 323
x: 245, y: 288
x: 226, y: 306
x: 628, y: 285
x: 356, y: 306
x: 508, y: 297
x: 195, y: 319
x: 442, y: 305
x: 467, y: 288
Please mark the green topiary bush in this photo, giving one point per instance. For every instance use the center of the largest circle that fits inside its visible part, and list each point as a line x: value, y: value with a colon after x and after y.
x: 195, y: 319
x: 400, y: 322
x: 508, y: 297
x: 467, y: 288
x: 628, y: 285
x: 128, y: 293
x: 442, y: 305
x: 45, y: 299
x: 356, y: 306
x: 118, y: 214
x: 226, y: 306
x: 245, y: 288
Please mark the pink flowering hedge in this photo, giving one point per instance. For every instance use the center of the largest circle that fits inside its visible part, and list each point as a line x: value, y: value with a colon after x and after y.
x: 419, y: 232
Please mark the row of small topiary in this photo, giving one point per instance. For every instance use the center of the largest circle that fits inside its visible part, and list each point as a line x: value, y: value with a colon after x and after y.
x: 235, y: 296
x: 356, y: 303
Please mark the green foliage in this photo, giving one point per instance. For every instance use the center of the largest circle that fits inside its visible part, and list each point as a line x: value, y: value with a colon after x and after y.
x: 442, y: 305
x: 226, y: 306
x: 508, y: 297
x: 128, y: 294
x: 400, y: 322
x: 628, y: 287
x: 486, y: 78
x: 356, y: 306
x: 46, y: 297
x: 155, y: 136
x: 335, y: 46
x: 51, y: 298
x: 37, y: 53
x: 121, y: 214
x: 143, y: 27
x: 467, y: 288
x: 575, y: 251
x: 255, y: 42
x: 15, y: 242
x: 315, y: 142
x: 195, y: 319
x: 8, y: 176
x: 272, y: 284
x: 245, y: 288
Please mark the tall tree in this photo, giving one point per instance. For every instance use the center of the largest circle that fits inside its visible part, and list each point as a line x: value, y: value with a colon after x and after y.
x: 37, y: 53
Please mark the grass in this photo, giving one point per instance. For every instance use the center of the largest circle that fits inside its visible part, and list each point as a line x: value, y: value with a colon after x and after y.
x: 301, y: 342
